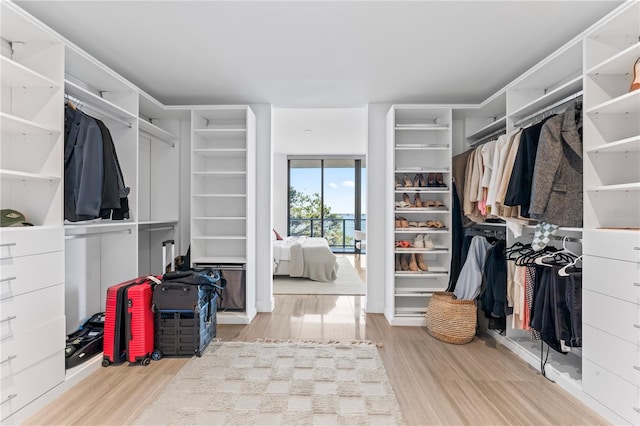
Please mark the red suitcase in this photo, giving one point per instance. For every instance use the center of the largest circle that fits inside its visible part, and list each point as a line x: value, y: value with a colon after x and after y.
x: 128, y: 326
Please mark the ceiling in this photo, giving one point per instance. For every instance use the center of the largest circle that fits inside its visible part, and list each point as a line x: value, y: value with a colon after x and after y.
x: 302, y: 54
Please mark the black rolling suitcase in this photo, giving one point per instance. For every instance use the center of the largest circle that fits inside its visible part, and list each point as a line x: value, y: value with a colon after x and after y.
x: 185, y: 306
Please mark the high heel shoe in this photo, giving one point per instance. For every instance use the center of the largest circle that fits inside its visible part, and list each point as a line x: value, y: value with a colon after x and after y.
x: 440, y: 180
x: 635, y: 83
x: 421, y: 263
x: 398, y: 266
x: 404, y: 223
x: 417, y: 201
x: 423, y: 181
x: 407, y: 181
x: 404, y: 262
x: 407, y: 200
x: 398, y: 184
x: 416, y: 181
x: 431, y: 179
x: 413, y: 265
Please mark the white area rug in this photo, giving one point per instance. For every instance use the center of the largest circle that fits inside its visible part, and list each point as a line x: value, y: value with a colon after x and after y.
x: 347, y: 283
x: 237, y: 383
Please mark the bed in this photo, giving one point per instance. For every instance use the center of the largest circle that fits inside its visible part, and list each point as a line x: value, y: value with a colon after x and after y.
x: 306, y: 257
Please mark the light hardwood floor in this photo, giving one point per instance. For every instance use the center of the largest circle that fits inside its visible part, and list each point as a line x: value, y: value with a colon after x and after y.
x: 481, y: 383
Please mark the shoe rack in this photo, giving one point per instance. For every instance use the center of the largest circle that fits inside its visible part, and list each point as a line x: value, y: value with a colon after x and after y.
x: 419, y: 144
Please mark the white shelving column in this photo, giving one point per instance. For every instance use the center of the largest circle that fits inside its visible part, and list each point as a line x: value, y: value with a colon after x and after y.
x: 32, y: 305
x: 223, y: 195
x: 611, y: 274
x: 419, y: 142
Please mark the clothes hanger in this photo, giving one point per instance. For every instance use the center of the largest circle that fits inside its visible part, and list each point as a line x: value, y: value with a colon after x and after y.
x: 563, y: 271
x: 565, y: 250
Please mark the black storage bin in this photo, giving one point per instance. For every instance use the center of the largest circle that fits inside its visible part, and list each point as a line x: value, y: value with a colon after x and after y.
x: 233, y: 297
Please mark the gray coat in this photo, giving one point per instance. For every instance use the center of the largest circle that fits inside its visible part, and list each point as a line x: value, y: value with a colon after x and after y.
x: 556, y: 191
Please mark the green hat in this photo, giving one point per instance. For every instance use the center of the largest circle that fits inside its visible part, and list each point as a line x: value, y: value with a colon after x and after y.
x: 11, y: 217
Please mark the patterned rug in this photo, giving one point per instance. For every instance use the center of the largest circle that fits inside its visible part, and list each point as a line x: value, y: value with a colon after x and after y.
x: 278, y: 383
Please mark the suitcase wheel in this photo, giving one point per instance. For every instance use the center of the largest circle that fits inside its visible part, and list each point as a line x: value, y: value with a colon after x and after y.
x: 198, y: 353
x: 105, y: 362
x: 156, y: 355
x: 146, y: 361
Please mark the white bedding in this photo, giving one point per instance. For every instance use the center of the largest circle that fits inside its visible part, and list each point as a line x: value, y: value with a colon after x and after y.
x: 304, y: 257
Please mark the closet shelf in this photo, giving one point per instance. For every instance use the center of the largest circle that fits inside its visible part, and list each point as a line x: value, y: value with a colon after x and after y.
x: 153, y: 223
x: 421, y: 210
x: 494, y: 126
x: 401, y: 291
x: 219, y: 195
x: 618, y: 63
x: 434, y: 271
x: 559, y: 230
x: 15, y: 74
x: 422, y: 170
x: 219, y: 218
x: 421, y: 127
x: 572, y: 86
x: 629, y: 103
x: 221, y: 173
x: 97, y: 224
x: 210, y: 130
x: 156, y: 132
x: 422, y: 189
x: 220, y: 152
x: 635, y: 186
x: 423, y: 293
x: 220, y: 237
x: 220, y: 260
x: 422, y: 230
x: 22, y: 176
x: 411, y: 311
x: 421, y: 147
x: 101, y: 105
x: 16, y: 125
x: 631, y: 144
x: 436, y: 250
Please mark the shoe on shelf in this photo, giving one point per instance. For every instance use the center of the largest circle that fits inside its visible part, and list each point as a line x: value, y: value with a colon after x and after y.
x: 635, y: 83
x: 413, y: 265
x: 423, y: 181
x: 431, y: 179
x: 398, y: 223
x: 398, y: 266
x: 440, y: 181
x: 438, y: 203
x: 422, y: 224
x: 416, y: 181
x: 398, y: 184
x: 429, y: 203
x: 404, y: 223
x: 428, y: 243
x: 407, y: 181
x: 404, y: 262
x: 418, y: 242
x: 413, y: 224
x: 407, y: 200
x: 417, y: 201
x: 422, y: 265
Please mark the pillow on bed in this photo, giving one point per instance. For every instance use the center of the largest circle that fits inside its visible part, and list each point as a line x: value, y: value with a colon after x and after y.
x: 278, y: 236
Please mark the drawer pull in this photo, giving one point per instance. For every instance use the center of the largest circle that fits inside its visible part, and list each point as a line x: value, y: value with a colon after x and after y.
x: 636, y: 284
x: 12, y: 317
x: 13, y: 278
x: 636, y: 325
x: 636, y: 409
x: 13, y: 244
x: 10, y: 357
x: 9, y: 398
x: 636, y: 248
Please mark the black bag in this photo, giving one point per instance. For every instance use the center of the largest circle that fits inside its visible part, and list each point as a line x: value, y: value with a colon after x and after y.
x: 186, y: 291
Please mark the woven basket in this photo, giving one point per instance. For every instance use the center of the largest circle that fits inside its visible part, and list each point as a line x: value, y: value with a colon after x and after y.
x: 451, y: 320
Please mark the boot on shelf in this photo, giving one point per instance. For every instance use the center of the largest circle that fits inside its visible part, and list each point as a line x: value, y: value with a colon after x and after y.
x: 413, y: 265
x: 421, y: 263
x: 404, y: 262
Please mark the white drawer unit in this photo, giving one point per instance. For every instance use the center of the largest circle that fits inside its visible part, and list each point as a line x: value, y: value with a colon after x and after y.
x: 614, y: 354
x: 599, y: 272
x: 25, y: 349
x: 24, y: 274
x: 20, y: 389
x: 611, y: 315
x: 27, y: 241
x: 617, y: 394
x: 619, y: 245
x: 22, y: 313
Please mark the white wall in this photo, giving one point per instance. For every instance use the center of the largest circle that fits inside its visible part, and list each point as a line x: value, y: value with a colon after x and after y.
x: 333, y: 131
x: 376, y: 210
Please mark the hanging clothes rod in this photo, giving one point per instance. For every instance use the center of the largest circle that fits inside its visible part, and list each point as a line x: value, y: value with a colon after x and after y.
x: 80, y: 105
x: 163, y: 228
x: 488, y: 138
x: 96, y: 234
x: 550, y: 108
